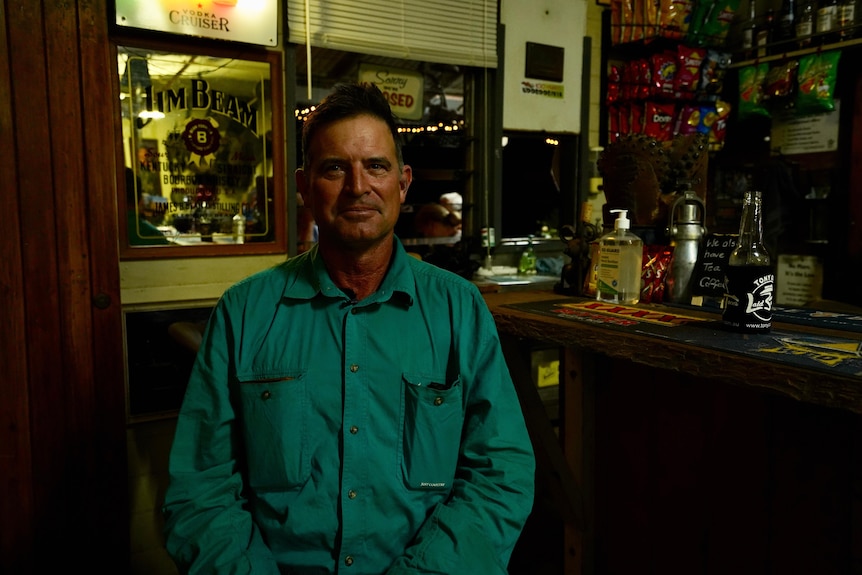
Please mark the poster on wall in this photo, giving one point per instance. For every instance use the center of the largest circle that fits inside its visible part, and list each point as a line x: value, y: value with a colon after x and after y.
x: 248, y: 21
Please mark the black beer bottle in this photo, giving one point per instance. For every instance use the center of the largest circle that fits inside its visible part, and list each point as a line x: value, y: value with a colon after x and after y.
x: 750, y: 279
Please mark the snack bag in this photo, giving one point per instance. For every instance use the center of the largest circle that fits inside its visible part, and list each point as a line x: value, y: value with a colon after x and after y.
x: 687, y: 120
x: 816, y: 75
x: 712, y: 73
x: 651, y: 19
x: 689, y: 62
x: 659, y: 120
x: 710, y: 22
x: 674, y: 18
x: 636, y: 117
x: 656, y: 262
x: 713, y: 122
x: 614, y: 94
x: 663, y: 67
x: 751, y: 81
x: 616, y: 22
x: 780, y: 87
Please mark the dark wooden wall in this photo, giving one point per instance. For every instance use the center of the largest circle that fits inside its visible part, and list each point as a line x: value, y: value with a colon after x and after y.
x: 63, y: 472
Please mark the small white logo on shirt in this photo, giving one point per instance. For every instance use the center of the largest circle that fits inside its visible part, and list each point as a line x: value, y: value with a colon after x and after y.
x: 428, y: 484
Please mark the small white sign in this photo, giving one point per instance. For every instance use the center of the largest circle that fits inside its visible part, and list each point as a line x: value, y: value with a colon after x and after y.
x: 248, y: 21
x: 806, y: 134
x: 799, y: 280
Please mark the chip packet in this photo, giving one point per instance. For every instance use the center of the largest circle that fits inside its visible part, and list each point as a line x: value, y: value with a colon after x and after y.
x: 751, y: 83
x: 816, y: 77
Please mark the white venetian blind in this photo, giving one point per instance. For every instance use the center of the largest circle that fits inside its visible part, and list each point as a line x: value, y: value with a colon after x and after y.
x: 461, y: 32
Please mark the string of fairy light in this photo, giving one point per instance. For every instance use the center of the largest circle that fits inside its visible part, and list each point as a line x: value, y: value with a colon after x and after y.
x: 455, y: 126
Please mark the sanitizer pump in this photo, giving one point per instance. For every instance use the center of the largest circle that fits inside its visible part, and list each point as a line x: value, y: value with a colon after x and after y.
x: 620, y: 263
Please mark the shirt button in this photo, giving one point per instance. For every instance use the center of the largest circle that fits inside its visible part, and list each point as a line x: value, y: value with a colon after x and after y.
x: 354, y: 430
x: 354, y: 311
x: 265, y: 395
x: 354, y: 368
x: 351, y: 494
x: 348, y: 560
x: 438, y: 400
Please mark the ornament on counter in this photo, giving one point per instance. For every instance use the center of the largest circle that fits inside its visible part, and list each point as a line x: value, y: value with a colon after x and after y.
x: 640, y: 173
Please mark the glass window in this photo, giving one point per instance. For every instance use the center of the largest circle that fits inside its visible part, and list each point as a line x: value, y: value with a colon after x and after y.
x: 429, y: 101
x: 198, y: 154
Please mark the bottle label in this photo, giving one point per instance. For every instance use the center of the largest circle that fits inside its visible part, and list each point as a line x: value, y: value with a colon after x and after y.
x: 846, y: 18
x: 748, y: 302
x: 827, y: 18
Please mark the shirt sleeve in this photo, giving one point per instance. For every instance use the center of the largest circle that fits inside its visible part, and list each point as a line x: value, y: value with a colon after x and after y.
x: 476, y: 529
x: 207, y: 530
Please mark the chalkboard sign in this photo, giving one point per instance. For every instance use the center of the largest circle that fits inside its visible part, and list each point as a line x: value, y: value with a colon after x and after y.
x: 711, y: 264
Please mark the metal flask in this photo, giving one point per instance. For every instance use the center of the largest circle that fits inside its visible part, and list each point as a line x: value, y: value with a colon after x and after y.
x: 685, y: 230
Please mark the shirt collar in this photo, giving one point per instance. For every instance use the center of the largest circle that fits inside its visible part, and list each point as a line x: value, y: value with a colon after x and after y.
x: 311, y: 278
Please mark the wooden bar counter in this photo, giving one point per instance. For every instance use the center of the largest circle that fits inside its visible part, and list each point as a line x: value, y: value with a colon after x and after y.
x: 682, y: 448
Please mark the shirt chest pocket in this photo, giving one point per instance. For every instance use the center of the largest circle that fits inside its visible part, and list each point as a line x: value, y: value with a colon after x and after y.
x: 275, y: 430
x: 431, y: 421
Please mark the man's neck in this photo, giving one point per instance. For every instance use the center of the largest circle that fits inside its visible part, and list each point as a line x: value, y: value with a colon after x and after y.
x: 357, y: 273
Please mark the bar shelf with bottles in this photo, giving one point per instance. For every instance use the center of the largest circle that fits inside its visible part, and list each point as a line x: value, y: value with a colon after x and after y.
x: 796, y: 29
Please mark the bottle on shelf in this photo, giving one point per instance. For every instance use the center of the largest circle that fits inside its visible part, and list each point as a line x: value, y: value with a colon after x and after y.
x: 749, y: 31
x: 618, y: 278
x: 527, y: 263
x: 805, y: 22
x: 764, y: 35
x: 238, y: 227
x: 847, y: 19
x: 750, y: 279
x: 826, y: 24
x: 785, y: 30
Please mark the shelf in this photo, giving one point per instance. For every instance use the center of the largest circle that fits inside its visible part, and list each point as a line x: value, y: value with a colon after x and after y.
x: 798, y: 52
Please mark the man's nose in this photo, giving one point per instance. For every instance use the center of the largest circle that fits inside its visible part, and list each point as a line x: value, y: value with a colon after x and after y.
x: 356, y: 182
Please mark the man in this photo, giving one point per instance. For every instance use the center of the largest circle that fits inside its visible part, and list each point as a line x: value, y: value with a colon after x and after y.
x: 350, y: 410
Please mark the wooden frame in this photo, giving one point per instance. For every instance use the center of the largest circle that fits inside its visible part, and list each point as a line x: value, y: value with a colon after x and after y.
x: 236, y: 172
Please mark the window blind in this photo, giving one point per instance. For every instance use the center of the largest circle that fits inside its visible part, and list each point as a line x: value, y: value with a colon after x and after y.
x: 458, y: 32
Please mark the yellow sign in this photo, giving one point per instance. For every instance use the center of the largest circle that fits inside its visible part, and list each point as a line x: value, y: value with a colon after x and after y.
x: 403, y: 89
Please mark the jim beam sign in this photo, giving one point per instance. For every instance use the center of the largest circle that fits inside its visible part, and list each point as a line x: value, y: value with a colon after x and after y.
x: 403, y: 89
x: 235, y: 20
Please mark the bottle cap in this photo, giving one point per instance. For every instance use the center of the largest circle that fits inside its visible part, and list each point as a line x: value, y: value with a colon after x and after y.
x: 622, y: 222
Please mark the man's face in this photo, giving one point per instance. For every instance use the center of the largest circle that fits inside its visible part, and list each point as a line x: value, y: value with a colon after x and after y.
x: 353, y: 184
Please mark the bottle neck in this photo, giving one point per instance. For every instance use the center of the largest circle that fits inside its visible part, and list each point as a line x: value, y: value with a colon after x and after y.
x: 751, y: 224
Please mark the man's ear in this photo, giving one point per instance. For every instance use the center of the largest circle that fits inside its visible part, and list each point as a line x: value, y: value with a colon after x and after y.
x: 301, y: 184
x: 405, y: 181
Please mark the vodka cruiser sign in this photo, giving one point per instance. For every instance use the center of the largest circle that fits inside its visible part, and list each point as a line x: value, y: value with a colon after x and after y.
x: 249, y: 21
x: 403, y: 89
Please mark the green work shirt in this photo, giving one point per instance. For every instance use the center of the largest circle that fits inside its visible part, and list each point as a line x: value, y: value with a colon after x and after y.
x: 324, y: 435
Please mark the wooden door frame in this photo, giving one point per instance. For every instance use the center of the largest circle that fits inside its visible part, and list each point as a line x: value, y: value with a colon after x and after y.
x: 62, y: 444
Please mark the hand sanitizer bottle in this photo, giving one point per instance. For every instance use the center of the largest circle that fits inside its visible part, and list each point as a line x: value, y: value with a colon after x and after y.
x: 620, y: 263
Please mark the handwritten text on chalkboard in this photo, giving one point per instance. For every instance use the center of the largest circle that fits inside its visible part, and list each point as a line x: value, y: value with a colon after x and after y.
x: 709, y: 279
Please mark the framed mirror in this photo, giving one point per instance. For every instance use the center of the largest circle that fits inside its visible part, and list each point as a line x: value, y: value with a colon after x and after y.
x: 202, y: 153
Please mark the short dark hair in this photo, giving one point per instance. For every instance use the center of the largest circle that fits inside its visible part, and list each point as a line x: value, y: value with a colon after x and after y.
x: 349, y: 101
